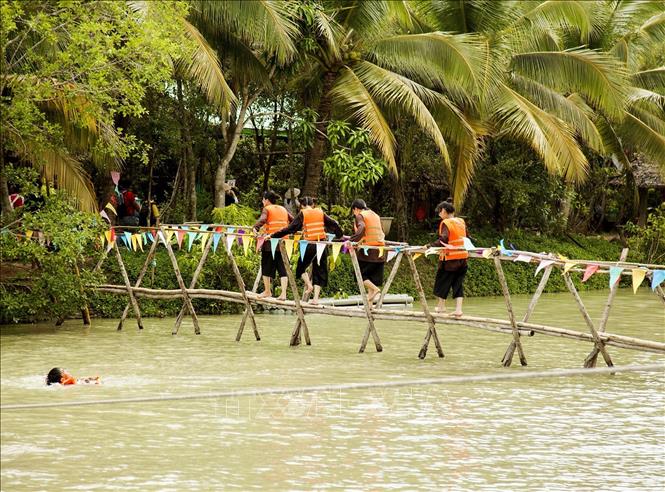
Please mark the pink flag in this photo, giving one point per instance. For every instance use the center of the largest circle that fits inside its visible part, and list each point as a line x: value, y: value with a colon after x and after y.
x: 259, y: 242
x: 590, y: 270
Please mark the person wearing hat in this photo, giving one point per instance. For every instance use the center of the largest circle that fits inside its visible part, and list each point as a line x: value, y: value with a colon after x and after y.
x: 291, y: 202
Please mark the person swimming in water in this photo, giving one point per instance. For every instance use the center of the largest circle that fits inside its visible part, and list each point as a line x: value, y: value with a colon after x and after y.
x: 58, y: 375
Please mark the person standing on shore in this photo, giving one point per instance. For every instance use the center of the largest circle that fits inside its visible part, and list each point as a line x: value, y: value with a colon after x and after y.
x: 273, y: 218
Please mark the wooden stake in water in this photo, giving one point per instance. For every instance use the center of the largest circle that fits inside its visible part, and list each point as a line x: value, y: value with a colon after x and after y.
x: 431, y: 331
x: 296, y: 296
x: 241, y: 328
x: 243, y: 292
x: 371, y: 329
x: 508, y: 357
x: 142, y: 273
x: 128, y: 286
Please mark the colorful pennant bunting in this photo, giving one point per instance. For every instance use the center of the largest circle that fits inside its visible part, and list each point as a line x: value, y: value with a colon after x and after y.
x: 638, y: 278
x: 259, y: 243
x: 567, y: 266
x: 273, y: 245
x: 615, y: 273
x: 229, y: 242
x: 303, y: 248
x: 588, y: 271
x: 657, y: 277
x: 468, y: 244
x: 523, y: 258
x: 320, y: 248
x: 336, y: 248
x: 215, y: 241
x: 288, y: 244
x: 391, y: 254
x: 543, y: 264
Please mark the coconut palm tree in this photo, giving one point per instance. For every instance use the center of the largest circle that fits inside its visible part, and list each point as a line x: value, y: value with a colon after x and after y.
x: 358, y: 61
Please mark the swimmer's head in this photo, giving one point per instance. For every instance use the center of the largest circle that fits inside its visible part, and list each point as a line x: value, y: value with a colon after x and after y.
x: 54, y: 376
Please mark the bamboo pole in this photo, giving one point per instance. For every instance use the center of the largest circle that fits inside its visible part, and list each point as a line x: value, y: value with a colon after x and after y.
x: 508, y: 356
x: 243, y: 292
x: 85, y: 311
x: 431, y: 332
x: 128, y: 286
x: 661, y: 293
x: 192, y: 284
x: 532, y: 305
x: 591, y: 359
x: 599, y: 343
x: 491, y: 324
x: 296, y: 295
x: 295, y: 334
x: 389, y: 282
x: 371, y: 329
x: 142, y: 273
x: 246, y: 313
x: 102, y: 258
x: 181, y: 282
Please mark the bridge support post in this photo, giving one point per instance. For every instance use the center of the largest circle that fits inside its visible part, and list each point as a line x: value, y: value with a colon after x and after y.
x: 431, y: 331
x: 128, y: 285
x: 371, y: 329
x: 516, y: 344
x: 243, y: 292
x: 142, y: 273
x: 301, y: 324
x: 245, y: 315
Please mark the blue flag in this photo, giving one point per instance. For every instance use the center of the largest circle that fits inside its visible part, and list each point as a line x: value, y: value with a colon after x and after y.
x: 303, y: 247
x: 657, y: 278
x: 273, y: 245
x: 215, y: 241
x: 615, y: 273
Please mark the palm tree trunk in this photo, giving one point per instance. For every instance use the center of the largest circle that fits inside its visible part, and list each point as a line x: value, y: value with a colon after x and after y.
x: 314, y: 165
x: 188, y: 156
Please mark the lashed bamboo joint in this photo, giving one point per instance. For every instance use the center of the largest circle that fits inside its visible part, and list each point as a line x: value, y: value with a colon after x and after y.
x: 512, y: 326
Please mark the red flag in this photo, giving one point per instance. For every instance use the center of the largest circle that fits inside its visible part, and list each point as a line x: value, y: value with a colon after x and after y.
x: 590, y: 270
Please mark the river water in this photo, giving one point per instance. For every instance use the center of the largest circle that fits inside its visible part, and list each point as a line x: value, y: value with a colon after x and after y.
x: 576, y: 433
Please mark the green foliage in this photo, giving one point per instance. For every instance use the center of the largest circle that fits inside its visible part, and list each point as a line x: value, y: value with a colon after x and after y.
x: 648, y: 242
x: 352, y: 164
x: 39, y: 279
x: 234, y: 214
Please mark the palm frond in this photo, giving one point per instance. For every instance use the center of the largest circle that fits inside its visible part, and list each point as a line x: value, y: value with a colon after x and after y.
x: 653, y: 79
x: 598, y: 76
x: 540, y: 16
x: 350, y: 92
x: 465, y: 157
x: 329, y: 31
x: 641, y: 136
x: 654, y: 27
x: 549, y: 136
x: 205, y: 69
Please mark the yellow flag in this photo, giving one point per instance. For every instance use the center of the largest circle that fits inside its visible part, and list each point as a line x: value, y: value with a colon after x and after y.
x: 139, y: 241
x: 416, y: 256
x: 111, y: 208
x: 638, y: 277
x: 381, y: 252
x: 246, y: 242
x: 336, y: 247
x: 169, y: 235
x: 288, y: 244
x: 133, y: 239
x: 296, y: 238
x: 487, y: 253
x: 567, y: 266
x: 108, y: 236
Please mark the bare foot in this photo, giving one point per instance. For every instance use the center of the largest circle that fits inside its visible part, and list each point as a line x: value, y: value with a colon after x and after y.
x: 308, y: 289
x: 264, y: 294
x: 371, y: 295
x: 457, y: 314
x: 314, y: 302
x: 282, y: 298
x: 440, y: 310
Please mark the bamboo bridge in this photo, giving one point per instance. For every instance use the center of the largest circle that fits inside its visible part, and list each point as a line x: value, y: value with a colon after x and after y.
x: 242, y: 236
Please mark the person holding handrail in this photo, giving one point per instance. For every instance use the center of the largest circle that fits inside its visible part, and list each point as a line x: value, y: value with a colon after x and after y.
x: 273, y: 218
x: 314, y: 224
x: 368, y: 232
x: 452, y: 262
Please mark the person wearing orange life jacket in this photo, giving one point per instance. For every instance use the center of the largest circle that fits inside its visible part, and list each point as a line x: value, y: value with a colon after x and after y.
x: 58, y: 375
x: 273, y: 218
x: 453, y: 262
x: 368, y: 232
x: 314, y: 224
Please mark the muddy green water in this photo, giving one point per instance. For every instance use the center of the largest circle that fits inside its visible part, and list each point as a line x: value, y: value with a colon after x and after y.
x: 601, y: 432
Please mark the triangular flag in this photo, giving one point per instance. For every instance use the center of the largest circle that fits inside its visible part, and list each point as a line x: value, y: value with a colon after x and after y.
x: 416, y: 256
x: 144, y: 238
x: 104, y: 215
x: 111, y: 208
x: 204, y: 240
x: 133, y: 240
x: 109, y: 236
x: 320, y: 248
x: 273, y: 245
x: 115, y: 176
x: 127, y: 238
x: 504, y: 251
x: 588, y: 271
x: 391, y: 255
x: 568, y: 265
x: 139, y: 241
x: 543, y: 264
x: 169, y: 236
x: 215, y: 241
x: 161, y: 237
x: 366, y: 250
x: 523, y: 258
x: 615, y: 273
x: 241, y: 232
x: 381, y: 252
x: 657, y: 277
x: 468, y: 244
x: 191, y: 236
x: 229, y: 242
x: 150, y: 237
x: 180, y: 233
x: 303, y: 247
x: 638, y: 277
x: 259, y: 242
x: 330, y: 237
x: 296, y: 238
x: 288, y: 244
x: 487, y: 253
x: 336, y: 247
x: 247, y: 241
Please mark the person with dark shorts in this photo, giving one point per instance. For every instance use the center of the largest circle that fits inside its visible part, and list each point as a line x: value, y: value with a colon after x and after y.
x: 368, y: 232
x: 273, y: 218
x: 314, y: 224
x: 453, y: 261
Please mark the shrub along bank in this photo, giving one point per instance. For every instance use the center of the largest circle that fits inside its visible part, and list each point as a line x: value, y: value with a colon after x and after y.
x: 481, y: 279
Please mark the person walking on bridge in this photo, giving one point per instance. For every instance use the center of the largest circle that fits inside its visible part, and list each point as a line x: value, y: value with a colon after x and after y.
x: 314, y: 224
x: 452, y: 262
x: 368, y: 232
x: 273, y: 218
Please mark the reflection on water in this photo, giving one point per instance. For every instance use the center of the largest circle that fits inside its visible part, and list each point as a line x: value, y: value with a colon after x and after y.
x: 572, y: 433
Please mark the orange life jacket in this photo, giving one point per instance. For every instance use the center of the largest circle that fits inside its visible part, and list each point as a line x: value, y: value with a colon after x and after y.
x: 456, y: 235
x: 68, y: 379
x: 374, y: 235
x: 278, y: 218
x: 313, y: 228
